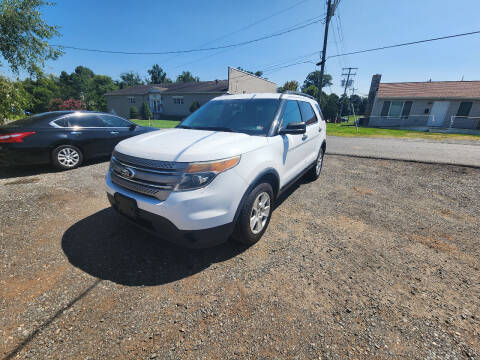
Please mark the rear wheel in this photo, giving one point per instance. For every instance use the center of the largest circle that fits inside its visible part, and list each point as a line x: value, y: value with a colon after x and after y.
x: 315, y: 171
x: 67, y: 157
x: 255, y: 215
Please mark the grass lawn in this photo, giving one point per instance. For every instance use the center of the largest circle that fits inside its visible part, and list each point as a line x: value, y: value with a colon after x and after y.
x: 350, y: 131
x: 156, y: 123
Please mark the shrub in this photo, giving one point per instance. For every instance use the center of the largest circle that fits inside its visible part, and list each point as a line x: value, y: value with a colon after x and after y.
x: 195, y: 105
x: 146, y: 113
x: 70, y: 104
x: 133, y: 112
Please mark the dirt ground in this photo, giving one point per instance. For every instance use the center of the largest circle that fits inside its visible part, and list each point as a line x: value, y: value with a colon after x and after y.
x: 375, y: 260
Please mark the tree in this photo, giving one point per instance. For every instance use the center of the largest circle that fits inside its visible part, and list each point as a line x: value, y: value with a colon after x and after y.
x: 311, y: 90
x: 158, y: 76
x: 313, y: 78
x: 146, y: 113
x: 24, y: 35
x: 330, y: 107
x: 13, y: 99
x: 195, y: 105
x: 133, y: 112
x: 98, y: 86
x: 130, y: 79
x: 81, y: 78
x: 289, y: 86
x: 41, y: 91
x: 186, y: 76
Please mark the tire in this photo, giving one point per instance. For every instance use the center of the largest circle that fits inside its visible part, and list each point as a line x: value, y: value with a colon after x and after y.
x: 66, y: 157
x: 259, y: 199
x: 314, y: 173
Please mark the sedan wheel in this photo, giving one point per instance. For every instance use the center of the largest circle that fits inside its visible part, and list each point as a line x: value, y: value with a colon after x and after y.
x: 67, y: 157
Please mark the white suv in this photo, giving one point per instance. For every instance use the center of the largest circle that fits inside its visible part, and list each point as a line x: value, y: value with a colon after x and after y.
x: 219, y: 172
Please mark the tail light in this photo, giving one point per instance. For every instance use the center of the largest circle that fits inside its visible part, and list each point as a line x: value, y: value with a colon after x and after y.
x: 15, y: 137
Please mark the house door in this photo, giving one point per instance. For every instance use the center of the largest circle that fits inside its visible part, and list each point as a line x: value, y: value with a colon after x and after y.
x: 438, y: 113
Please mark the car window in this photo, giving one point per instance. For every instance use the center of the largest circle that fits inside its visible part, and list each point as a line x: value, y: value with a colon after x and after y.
x: 291, y: 114
x: 114, y: 121
x: 87, y: 121
x: 308, y: 114
x: 61, y: 122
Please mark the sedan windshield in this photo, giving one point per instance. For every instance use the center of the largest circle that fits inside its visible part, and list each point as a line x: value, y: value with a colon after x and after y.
x: 250, y: 116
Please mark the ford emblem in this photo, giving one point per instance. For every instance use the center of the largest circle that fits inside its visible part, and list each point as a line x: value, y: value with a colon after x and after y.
x: 127, y: 173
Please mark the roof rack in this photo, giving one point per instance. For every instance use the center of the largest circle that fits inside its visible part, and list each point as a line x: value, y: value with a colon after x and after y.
x: 298, y: 93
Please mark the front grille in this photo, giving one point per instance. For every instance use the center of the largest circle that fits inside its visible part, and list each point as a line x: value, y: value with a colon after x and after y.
x: 148, y: 163
x: 148, y: 177
x: 139, y: 188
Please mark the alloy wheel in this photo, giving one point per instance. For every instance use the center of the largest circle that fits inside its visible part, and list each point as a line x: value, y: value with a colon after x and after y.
x: 260, y: 212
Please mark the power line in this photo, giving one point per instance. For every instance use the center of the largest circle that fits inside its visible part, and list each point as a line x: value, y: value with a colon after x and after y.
x: 405, y: 44
x: 304, y: 22
x: 248, y: 26
x: 276, y: 34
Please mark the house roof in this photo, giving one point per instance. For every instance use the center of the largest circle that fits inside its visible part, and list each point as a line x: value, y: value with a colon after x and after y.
x: 217, y: 86
x: 430, y: 90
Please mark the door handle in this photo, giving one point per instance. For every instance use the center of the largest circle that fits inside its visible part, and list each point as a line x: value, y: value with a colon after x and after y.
x: 319, y: 129
x: 75, y: 132
x: 114, y: 132
x: 304, y: 137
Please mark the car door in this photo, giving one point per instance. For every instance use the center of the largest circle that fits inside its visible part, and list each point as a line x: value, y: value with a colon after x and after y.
x: 87, y: 131
x: 312, y: 141
x: 294, y: 146
x: 118, y: 128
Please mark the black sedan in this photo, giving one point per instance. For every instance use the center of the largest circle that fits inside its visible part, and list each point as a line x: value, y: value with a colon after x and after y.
x: 63, y: 138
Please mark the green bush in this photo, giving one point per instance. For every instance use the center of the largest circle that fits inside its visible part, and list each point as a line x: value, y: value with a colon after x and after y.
x: 195, y: 105
x: 133, y: 112
x: 146, y: 113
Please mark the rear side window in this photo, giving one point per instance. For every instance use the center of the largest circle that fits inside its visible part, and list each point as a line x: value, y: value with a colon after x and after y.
x: 87, y: 121
x: 114, y: 121
x: 61, y: 122
x: 308, y: 114
x: 291, y: 113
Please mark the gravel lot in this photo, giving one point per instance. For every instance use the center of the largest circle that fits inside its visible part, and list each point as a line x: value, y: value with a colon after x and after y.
x: 377, y: 259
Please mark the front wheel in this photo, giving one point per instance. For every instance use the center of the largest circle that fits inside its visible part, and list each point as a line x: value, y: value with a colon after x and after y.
x: 254, y: 215
x: 67, y: 157
x: 315, y: 171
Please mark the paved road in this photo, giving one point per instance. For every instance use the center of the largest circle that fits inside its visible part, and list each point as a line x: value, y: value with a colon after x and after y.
x: 433, y: 151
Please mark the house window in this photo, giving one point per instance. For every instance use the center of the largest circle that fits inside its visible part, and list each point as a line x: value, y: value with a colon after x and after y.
x: 178, y: 100
x: 385, y: 108
x: 464, y: 108
x: 131, y: 99
x: 406, y: 109
x: 395, y: 109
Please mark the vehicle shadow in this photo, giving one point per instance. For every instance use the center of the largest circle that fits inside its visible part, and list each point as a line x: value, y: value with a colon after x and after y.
x: 106, y: 246
x: 7, y: 172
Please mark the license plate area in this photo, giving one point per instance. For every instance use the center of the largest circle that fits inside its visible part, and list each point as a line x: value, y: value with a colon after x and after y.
x: 126, y: 205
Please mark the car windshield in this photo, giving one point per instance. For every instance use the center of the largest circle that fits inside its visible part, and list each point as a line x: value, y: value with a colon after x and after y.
x: 250, y: 116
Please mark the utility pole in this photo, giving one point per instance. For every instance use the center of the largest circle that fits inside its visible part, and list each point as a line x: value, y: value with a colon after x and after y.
x: 330, y: 12
x: 348, y: 74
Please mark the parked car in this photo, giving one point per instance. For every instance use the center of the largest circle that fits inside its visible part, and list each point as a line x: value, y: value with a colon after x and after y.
x: 220, y: 171
x: 63, y: 138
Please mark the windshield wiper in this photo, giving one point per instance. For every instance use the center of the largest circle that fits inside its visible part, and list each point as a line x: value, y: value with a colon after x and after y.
x: 213, y: 128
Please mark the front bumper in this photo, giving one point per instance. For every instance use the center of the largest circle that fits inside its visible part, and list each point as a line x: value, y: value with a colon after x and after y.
x: 196, y: 218
x: 165, y: 229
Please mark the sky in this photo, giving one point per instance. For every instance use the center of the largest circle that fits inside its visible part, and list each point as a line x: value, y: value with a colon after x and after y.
x: 161, y: 25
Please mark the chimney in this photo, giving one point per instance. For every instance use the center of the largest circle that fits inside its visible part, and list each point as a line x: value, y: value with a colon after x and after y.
x: 375, y: 84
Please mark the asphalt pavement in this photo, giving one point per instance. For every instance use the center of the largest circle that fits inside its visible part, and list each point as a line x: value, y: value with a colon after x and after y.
x: 454, y: 152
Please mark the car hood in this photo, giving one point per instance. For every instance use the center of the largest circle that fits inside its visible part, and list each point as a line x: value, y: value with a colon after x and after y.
x: 188, y: 145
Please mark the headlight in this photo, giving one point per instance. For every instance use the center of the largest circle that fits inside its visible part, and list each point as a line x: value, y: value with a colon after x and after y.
x: 198, y: 175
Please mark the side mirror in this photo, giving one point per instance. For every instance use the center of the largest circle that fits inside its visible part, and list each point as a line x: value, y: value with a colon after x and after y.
x: 132, y: 127
x: 294, y: 128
